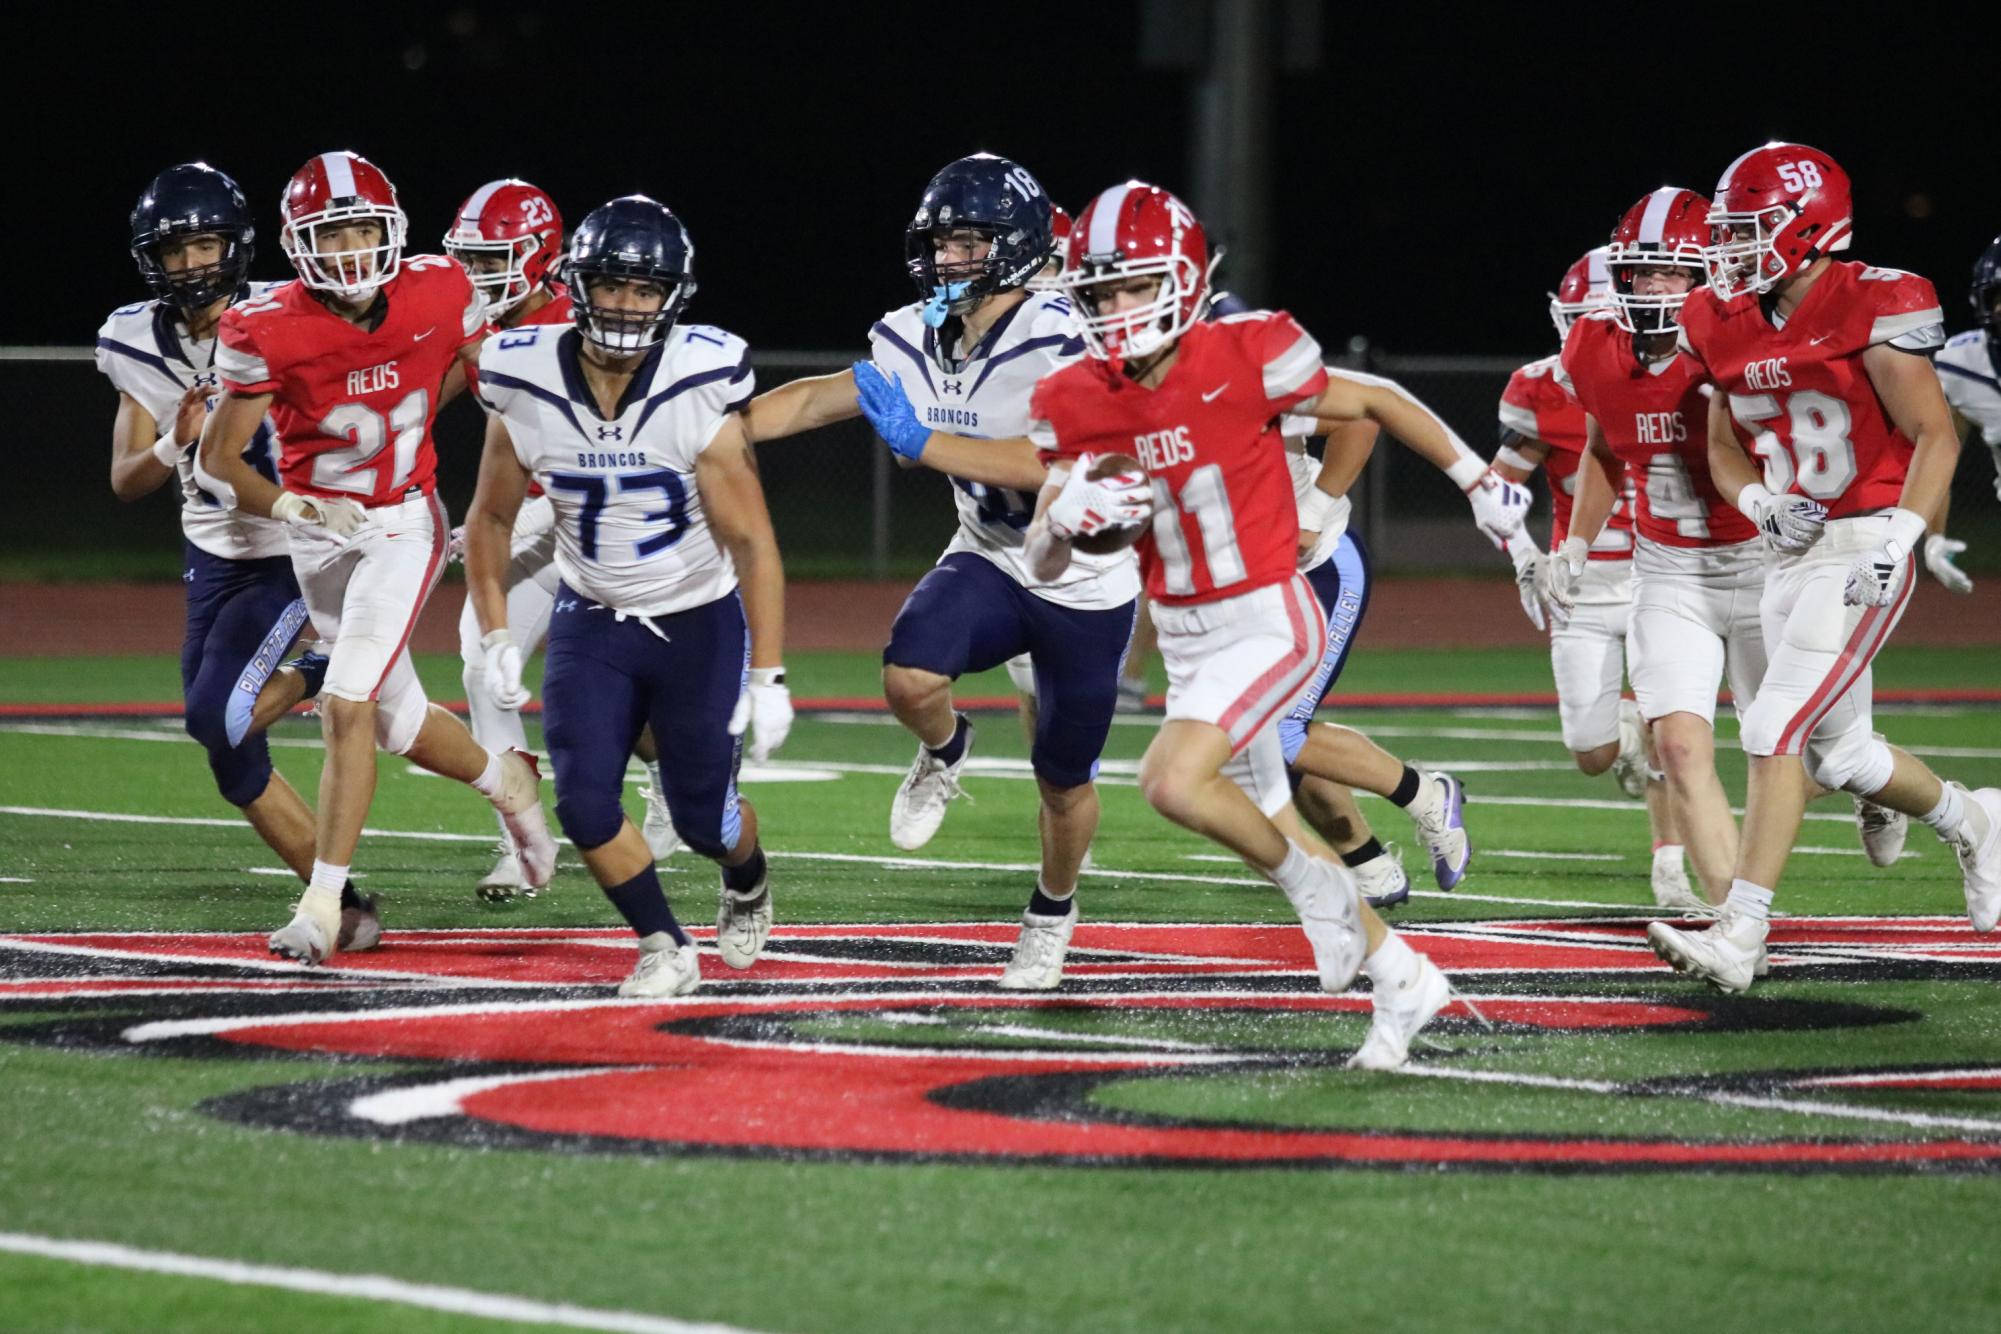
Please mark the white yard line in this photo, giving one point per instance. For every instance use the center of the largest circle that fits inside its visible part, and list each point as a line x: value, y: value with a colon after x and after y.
x: 360, y: 1287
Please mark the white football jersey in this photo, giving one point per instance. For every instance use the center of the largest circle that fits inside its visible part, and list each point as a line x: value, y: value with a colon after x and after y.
x: 987, y: 397
x: 630, y: 529
x: 1972, y: 382
x: 1297, y: 429
x: 145, y: 351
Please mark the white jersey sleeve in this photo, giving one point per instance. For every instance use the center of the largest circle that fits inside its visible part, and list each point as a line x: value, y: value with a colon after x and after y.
x: 1972, y: 382
x: 145, y: 352
x: 984, y: 392
x: 631, y: 529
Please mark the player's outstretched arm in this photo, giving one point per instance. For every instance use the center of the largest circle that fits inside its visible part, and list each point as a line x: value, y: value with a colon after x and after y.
x: 1909, y: 388
x: 802, y: 405
x: 489, y: 535
x: 227, y: 433
x: 1010, y: 462
x: 143, y: 454
x: 733, y: 498
x: 1046, y: 552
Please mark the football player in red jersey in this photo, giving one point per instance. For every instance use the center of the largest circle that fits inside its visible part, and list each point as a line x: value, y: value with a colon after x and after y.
x: 1542, y: 426
x: 350, y: 359
x: 1240, y: 630
x: 1823, y: 366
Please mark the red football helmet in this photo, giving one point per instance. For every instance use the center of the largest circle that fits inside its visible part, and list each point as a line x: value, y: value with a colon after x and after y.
x: 1050, y: 279
x: 1586, y: 287
x: 1778, y: 209
x: 1137, y: 230
x: 513, y: 221
x: 335, y: 190
x: 1667, y: 228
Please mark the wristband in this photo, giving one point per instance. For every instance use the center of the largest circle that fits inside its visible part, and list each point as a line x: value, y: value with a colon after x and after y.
x: 767, y: 676
x: 1907, y: 528
x: 494, y: 639
x: 1752, y: 500
x: 1315, y: 508
x: 1575, y: 550
x: 1513, y: 458
x: 1467, y: 470
x: 167, y: 450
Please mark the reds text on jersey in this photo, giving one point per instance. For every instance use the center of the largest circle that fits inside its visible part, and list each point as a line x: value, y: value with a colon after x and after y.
x: 1539, y: 404
x: 145, y: 351
x: 354, y: 406
x: 1798, y: 389
x: 631, y: 532
x: 987, y: 397
x: 1656, y: 419
x: 1225, y: 522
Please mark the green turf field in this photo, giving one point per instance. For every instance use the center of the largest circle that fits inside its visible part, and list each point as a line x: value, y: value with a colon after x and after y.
x: 222, y: 1147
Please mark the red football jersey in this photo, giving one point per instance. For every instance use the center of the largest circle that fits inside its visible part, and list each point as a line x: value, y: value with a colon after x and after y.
x: 1799, y: 390
x: 1538, y: 404
x: 354, y: 407
x: 1656, y: 418
x: 1224, y: 521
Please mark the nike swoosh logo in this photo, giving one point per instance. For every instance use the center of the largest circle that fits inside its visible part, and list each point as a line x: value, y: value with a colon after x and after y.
x: 1816, y: 342
x: 426, y: 334
x: 1213, y: 394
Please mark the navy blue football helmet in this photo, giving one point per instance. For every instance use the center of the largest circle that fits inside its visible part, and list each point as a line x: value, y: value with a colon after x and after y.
x: 1986, y: 291
x: 998, y: 199
x: 633, y: 237
x: 193, y: 199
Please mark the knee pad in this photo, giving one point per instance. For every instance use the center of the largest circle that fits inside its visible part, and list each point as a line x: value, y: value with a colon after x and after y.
x: 591, y: 819
x: 1853, y: 762
x: 208, y: 723
x: 242, y: 772
x: 398, y: 720
x: 1021, y: 671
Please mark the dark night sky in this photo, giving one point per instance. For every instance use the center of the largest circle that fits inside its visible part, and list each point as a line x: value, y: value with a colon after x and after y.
x: 1435, y: 174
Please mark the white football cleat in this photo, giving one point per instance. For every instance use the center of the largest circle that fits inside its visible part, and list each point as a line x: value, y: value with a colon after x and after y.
x: 1440, y: 816
x: 927, y: 790
x: 1673, y: 890
x: 519, y: 802
x: 1882, y: 831
x: 1630, y: 768
x: 1037, y: 964
x: 1726, y: 955
x: 1330, y: 912
x: 1382, y: 880
x: 1980, y: 861
x: 743, y: 923
x: 665, y: 969
x: 1398, y: 1015
x: 313, y: 932
x: 504, y: 881
x: 661, y: 836
x: 360, y: 928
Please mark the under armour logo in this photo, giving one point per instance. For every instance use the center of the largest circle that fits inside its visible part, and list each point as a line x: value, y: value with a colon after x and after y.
x: 566, y: 604
x: 612, y: 432
x: 187, y: 576
x: 952, y: 386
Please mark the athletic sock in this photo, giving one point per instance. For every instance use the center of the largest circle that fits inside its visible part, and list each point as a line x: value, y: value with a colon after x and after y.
x: 1296, y: 874
x: 348, y: 898
x: 1948, y: 817
x: 1749, y: 900
x: 742, y: 878
x: 327, y: 881
x: 643, y: 904
x: 488, y: 782
x: 1044, y: 904
x: 1392, y: 965
x: 1667, y: 852
x: 1363, y: 855
x: 954, y: 749
x: 1408, y: 788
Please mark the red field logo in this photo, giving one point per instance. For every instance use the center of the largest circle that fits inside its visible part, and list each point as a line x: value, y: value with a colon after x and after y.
x: 889, y: 1043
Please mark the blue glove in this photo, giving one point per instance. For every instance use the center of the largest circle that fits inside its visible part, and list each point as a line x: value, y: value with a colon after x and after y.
x: 882, y: 402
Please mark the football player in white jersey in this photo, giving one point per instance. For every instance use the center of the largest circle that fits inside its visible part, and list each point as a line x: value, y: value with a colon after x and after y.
x: 967, y: 356
x: 193, y: 239
x: 671, y: 609
x: 1969, y: 367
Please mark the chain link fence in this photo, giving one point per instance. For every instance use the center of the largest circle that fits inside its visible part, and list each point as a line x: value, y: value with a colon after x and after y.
x: 841, y: 506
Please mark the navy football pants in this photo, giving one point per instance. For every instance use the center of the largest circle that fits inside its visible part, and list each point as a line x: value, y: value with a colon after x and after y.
x: 241, y: 617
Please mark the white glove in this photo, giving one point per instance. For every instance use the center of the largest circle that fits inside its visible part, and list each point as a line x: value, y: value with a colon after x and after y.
x: 1084, y: 507
x: 1499, y: 506
x: 765, y: 708
x: 503, y: 670
x: 1788, y: 522
x: 1939, y: 551
x: 337, y: 515
x: 1528, y: 560
x: 455, y: 546
x: 1559, y: 574
x: 1876, y: 575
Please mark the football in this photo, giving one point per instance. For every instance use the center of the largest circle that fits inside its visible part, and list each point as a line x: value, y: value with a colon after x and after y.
x: 1106, y: 541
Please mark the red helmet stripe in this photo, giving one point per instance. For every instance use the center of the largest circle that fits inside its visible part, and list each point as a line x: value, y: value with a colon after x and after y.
x: 339, y: 168
x: 1105, y: 210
